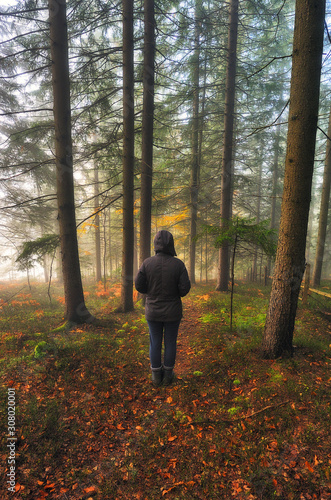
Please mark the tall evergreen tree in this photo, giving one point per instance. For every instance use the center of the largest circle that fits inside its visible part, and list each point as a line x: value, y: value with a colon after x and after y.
x: 128, y: 157
x: 303, y: 115
x: 76, y: 310
x: 97, y: 225
x: 324, y: 209
x: 227, y: 156
x: 147, y: 131
x: 196, y: 125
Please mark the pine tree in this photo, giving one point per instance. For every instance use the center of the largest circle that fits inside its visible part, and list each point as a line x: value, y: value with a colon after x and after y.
x: 76, y: 310
x: 303, y: 114
x: 324, y: 209
x: 128, y: 158
x: 147, y: 131
x: 227, y: 157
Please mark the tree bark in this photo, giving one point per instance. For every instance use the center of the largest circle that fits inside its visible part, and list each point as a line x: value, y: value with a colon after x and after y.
x: 97, y: 233
x: 323, y: 221
x: 195, y: 165
x: 303, y: 115
x: 74, y: 297
x: 128, y: 158
x: 274, y: 194
x: 105, y: 247
x: 226, y: 179
x: 257, y: 219
x: 147, y: 132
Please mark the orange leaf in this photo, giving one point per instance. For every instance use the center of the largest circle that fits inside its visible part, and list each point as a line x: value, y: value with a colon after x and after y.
x: 49, y: 485
x: 172, y: 438
x: 309, y: 467
x: 164, y: 492
x: 90, y: 489
x: 190, y: 483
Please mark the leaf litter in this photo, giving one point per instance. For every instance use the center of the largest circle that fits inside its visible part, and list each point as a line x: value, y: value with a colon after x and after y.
x: 91, y: 425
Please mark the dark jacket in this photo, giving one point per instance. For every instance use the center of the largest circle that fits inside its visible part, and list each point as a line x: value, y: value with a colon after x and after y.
x: 164, y: 280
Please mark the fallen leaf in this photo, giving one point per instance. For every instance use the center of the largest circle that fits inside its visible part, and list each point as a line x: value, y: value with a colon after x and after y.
x: 309, y: 467
x: 90, y: 489
x: 190, y: 483
x: 49, y: 485
x: 164, y: 492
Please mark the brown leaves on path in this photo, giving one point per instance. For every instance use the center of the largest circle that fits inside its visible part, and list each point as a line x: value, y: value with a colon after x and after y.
x: 188, y: 333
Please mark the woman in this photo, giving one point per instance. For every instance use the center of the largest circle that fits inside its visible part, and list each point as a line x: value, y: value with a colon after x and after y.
x: 164, y: 280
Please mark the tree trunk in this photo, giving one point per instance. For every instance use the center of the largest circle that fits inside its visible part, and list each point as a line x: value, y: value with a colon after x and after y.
x: 135, y: 252
x: 45, y: 266
x: 257, y: 219
x: 274, y: 192
x: 128, y: 158
x: 195, y: 165
x: 323, y: 222
x: 226, y: 180
x: 105, y: 242
x: 110, y: 242
x: 97, y: 226
x: 303, y: 114
x: 147, y: 132
x: 75, y: 305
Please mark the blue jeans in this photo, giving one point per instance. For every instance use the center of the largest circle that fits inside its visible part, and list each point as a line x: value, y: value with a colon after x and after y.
x: 156, y: 331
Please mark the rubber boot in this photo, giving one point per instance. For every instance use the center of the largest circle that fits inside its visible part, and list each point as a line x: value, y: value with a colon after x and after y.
x: 168, y: 376
x: 157, y: 376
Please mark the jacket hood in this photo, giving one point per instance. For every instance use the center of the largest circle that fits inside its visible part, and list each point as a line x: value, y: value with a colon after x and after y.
x: 164, y: 242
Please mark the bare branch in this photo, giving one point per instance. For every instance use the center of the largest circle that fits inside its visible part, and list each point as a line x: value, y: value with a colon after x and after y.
x: 268, y: 64
x: 50, y: 197
x: 9, y: 113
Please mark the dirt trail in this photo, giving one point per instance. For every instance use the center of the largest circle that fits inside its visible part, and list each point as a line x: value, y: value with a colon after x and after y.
x: 188, y: 330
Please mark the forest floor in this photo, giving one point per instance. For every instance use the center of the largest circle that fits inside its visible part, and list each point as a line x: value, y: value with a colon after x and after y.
x: 90, y: 425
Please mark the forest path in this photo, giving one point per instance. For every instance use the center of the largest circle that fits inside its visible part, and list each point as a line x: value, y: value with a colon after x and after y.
x: 188, y: 332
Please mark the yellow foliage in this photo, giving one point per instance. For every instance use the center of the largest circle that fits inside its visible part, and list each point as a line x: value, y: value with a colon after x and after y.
x: 174, y: 219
